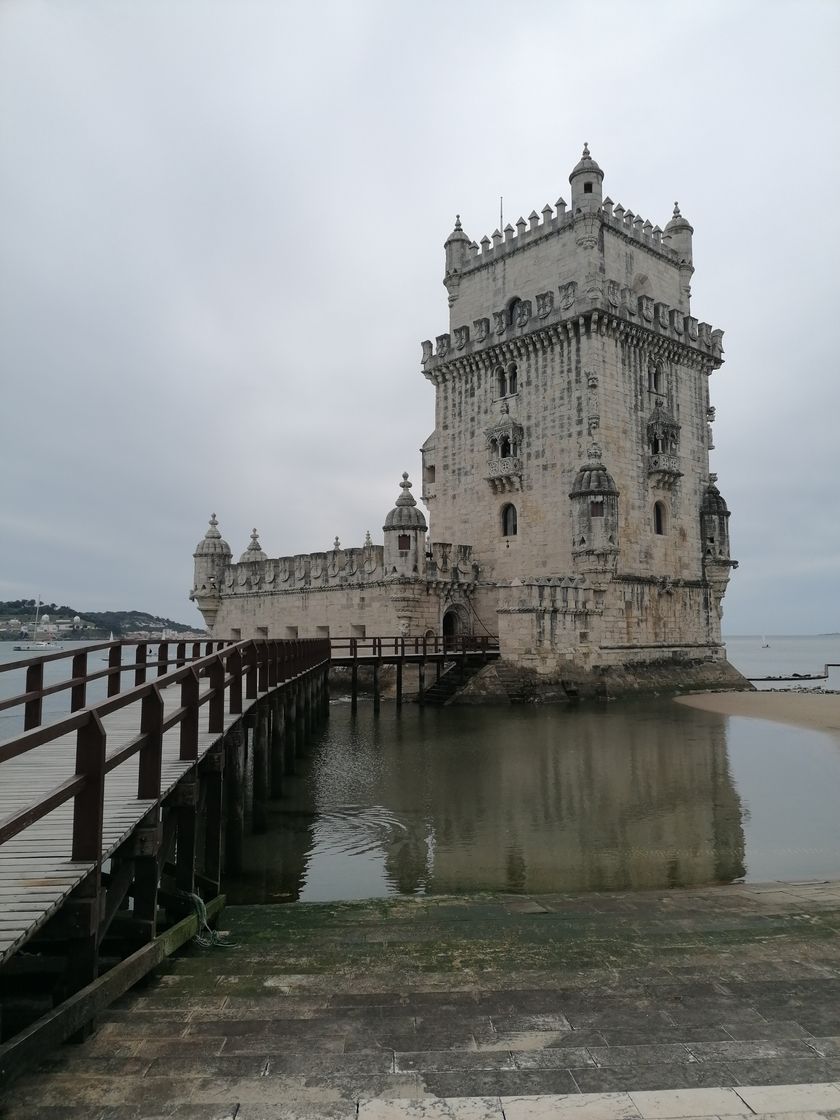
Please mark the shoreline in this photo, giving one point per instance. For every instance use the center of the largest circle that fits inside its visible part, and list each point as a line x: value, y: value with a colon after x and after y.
x: 817, y: 711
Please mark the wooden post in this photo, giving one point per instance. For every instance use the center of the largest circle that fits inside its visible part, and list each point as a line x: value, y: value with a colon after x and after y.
x: 289, y: 729
x: 235, y: 796
x: 88, y: 803
x: 189, y: 724
x: 33, y: 708
x: 216, y: 704
x: 278, y: 734
x: 147, y: 875
x: 78, y: 693
x: 421, y: 683
x: 376, y: 696
x: 114, y: 674
x: 399, y: 683
x: 354, y: 687
x: 214, y: 766
x: 151, y: 753
x: 260, y: 813
x: 140, y: 664
x: 186, y: 811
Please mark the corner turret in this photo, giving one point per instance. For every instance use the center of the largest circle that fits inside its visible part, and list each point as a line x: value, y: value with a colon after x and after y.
x: 457, y: 247
x: 211, y: 556
x: 677, y: 236
x: 405, y: 537
x: 714, y: 533
x: 587, y: 184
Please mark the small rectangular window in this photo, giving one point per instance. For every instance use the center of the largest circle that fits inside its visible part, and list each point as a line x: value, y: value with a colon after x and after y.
x: 322, y: 631
x: 357, y: 631
x: 291, y: 633
x: 236, y: 634
x: 403, y: 542
x: 596, y: 509
x: 262, y: 631
x: 587, y: 188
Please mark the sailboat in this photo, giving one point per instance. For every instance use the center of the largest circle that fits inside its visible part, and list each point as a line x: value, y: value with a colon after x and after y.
x: 764, y: 643
x: 36, y: 644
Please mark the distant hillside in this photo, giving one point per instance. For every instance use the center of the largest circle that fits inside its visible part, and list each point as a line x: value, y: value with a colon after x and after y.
x: 118, y: 622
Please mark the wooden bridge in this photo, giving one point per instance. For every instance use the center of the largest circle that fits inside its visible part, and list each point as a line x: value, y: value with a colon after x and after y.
x: 118, y: 818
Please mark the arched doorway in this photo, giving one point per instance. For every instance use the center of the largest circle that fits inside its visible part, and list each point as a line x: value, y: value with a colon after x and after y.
x: 451, y: 623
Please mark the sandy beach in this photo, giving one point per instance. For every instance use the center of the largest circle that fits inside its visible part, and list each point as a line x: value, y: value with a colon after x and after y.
x: 817, y: 710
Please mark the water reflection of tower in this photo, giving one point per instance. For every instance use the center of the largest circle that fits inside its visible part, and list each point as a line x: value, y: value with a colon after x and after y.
x: 626, y: 798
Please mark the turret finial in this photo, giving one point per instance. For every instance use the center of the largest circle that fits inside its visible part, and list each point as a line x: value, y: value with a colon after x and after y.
x: 457, y: 221
x: 336, y: 545
x: 368, y: 541
x: 585, y: 150
x: 677, y: 210
x: 405, y: 484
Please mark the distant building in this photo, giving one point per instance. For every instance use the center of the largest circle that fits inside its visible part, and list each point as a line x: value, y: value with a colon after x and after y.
x: 567, y: 479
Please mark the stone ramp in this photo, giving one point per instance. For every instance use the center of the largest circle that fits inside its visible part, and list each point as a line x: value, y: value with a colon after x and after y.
x: 597, y: 1005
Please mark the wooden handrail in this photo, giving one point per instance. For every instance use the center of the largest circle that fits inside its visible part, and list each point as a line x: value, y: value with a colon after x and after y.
x: 86, y: 787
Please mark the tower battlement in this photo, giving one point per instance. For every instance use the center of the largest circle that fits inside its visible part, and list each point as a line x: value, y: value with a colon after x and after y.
x: 511, y: 240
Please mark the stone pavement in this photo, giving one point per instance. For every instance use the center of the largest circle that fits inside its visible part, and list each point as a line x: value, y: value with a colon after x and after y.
x: 714, y: 1002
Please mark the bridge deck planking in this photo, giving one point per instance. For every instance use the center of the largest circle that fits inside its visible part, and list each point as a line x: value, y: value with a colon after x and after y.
x: 35, y: 874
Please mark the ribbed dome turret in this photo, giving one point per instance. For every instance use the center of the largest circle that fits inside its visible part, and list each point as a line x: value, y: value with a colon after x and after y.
x: 212, y: 543
x: 405, y: 514
x: 678, y: 223
x: 253, y: 553
x: 713, y: 502
x: 593, y: 477
x: 586, y: 164
x: 457, y: 233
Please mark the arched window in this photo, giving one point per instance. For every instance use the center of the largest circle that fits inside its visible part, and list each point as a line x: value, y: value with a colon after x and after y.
x: 659, y: 519
x: 511, y: 386
x: 501, y: 382
x: 509, y: 520
x: 504, y: 448
x: 512, y: 308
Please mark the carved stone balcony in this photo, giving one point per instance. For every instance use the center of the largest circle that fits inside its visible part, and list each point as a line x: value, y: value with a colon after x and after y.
x: 664, y: 469
x: 505, y: 474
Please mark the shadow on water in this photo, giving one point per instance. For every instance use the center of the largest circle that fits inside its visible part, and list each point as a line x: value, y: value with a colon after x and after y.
x: 534, y: 799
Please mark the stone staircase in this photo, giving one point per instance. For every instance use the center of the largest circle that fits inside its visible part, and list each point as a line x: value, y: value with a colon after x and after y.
x: 453, y: 678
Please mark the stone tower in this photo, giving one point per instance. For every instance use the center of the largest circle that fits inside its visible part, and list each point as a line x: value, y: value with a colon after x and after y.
x: 572, y: 436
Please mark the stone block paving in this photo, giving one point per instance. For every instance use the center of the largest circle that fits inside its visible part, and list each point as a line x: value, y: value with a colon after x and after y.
x: 715, y: 1002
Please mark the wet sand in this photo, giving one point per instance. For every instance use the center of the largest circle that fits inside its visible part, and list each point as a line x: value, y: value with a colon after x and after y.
x: 819, y: 711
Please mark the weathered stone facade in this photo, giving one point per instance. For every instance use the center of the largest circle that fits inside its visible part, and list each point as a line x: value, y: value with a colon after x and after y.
x: 570, y: 454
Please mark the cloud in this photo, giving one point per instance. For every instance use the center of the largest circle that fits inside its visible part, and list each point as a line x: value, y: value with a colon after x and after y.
x: 222, y: 243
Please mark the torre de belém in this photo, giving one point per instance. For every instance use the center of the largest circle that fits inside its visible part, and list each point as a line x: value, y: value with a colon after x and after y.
x: 571, y: 509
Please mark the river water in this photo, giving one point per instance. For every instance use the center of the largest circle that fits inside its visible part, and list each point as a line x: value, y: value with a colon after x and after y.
x: 627, y: 796
x: 631, y: 795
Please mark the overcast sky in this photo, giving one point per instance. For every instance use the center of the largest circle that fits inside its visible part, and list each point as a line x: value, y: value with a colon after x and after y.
x: 221, y: 231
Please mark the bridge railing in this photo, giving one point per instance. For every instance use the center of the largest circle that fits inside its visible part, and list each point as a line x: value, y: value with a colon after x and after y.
x: 149, y: 659
x: 235, y: 673
x: 417, y: 646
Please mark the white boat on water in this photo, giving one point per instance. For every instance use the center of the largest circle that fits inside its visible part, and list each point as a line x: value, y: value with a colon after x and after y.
x: 36, y: 644
x: 764, y: 643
